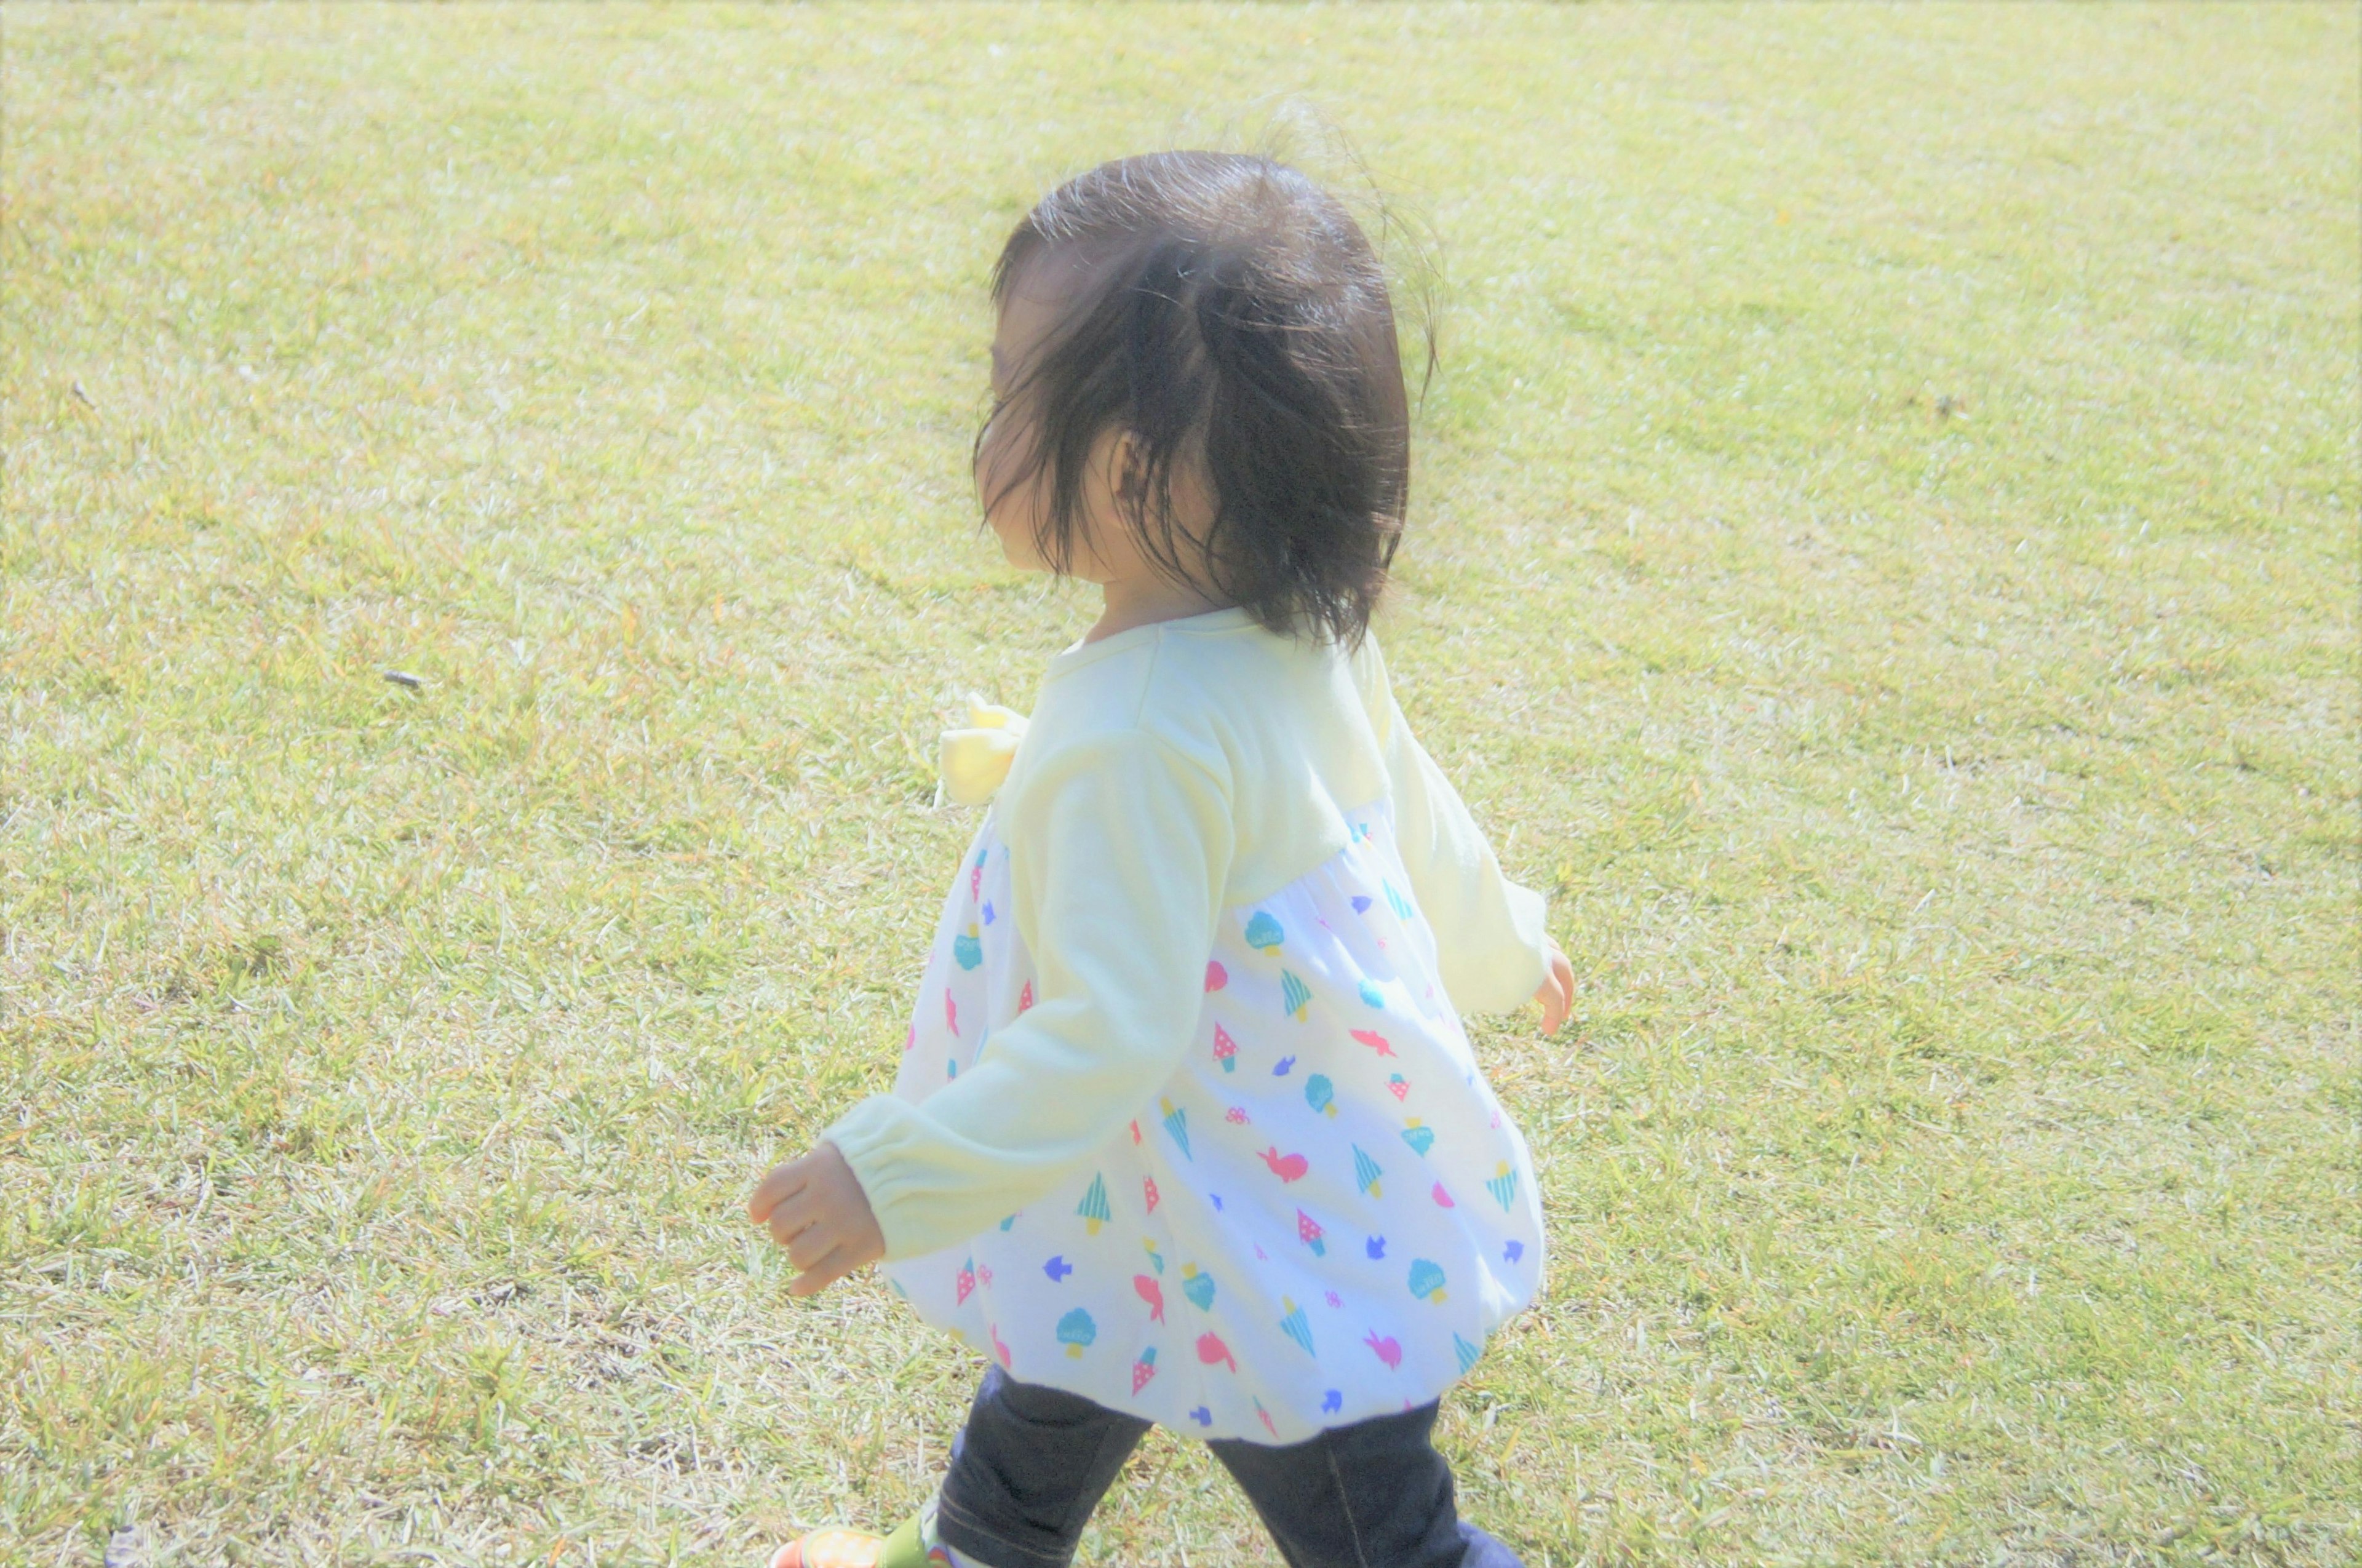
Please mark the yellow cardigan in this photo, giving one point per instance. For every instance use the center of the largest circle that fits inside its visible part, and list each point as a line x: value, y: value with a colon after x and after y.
x: 1166, y: 773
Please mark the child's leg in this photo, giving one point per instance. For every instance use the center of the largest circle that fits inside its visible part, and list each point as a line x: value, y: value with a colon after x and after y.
x: 1375, y: 1492
x: 1026, y: 1471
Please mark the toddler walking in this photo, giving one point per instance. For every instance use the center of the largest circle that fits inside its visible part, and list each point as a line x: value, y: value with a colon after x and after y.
x: 1187, y: 1129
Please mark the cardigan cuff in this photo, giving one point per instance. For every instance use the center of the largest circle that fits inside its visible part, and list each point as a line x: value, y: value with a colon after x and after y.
x: 870, y: 1136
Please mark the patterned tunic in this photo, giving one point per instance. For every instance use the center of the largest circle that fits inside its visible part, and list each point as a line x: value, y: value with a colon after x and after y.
x: 1321, y: 1216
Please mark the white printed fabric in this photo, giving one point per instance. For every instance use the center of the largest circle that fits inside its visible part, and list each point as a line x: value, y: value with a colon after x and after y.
x: 1319, y: 1219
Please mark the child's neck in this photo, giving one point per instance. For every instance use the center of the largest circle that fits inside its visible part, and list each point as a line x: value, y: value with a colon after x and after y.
x: 1133, y: 602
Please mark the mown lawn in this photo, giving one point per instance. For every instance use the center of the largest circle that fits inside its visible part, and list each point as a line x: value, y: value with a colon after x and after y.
x: 1883, y: 557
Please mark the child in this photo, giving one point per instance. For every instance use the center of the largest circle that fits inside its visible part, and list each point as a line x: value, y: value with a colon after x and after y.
x: 1188, y: 1130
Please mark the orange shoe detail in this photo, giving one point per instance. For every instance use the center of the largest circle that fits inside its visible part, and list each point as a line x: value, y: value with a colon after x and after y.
x: 832, y: 1547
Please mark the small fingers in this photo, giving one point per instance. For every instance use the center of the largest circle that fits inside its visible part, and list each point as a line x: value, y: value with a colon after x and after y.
x: 821, y: 1272
x: 792, y: 1218
x: 781, y: 1182
x: 816, y: 1240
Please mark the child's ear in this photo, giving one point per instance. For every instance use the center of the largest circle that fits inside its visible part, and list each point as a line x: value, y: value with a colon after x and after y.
x: 1130, y: 468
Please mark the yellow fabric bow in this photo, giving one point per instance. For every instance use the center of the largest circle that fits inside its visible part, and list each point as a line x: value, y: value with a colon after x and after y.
x: 974, y: 759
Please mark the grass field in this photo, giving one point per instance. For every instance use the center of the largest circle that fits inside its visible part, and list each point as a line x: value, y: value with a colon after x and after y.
x: 1884, y: 558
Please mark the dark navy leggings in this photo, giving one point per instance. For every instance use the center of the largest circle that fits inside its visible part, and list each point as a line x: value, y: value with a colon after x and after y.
x: 1033, y: 1461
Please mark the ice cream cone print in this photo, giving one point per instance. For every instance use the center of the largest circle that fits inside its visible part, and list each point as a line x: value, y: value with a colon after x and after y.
x: 1503, y: 1186
x: 1143, y: 1369
x: 1076, y: 1331
x: 1296, y: 1326
x: 1094, y: 1206
x: 1176, y: 1122
x: 1295, y: 995
x: 967, y: 948
x: 1309, y: 1231
x: 1320, y: 1094
x: 1263, y: 933
x: 1025, y: 997
x: 1226, y: 1050
x: 1366, y: 1171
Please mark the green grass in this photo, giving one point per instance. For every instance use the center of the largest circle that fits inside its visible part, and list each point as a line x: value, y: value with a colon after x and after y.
x: 1884, y: 558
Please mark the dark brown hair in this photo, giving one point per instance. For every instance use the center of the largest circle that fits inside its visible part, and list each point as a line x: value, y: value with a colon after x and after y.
x: 1227, y: 311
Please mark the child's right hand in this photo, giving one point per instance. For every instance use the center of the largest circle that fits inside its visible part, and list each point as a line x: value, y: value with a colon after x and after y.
x: 1557, y: 992
x: 814, y: 1207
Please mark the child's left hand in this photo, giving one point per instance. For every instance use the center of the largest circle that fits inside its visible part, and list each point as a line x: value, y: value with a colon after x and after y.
x: 816, y: 1210
x: 1557, y: 991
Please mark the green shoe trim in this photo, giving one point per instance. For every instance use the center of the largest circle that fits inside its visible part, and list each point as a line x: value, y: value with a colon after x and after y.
x: 906, y: 1546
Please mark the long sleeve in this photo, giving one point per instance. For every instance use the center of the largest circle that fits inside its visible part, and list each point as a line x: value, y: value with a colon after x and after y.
x: 1493, y: 947
x: 1119, y: 849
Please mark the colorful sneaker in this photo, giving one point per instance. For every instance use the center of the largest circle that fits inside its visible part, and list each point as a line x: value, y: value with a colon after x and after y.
x: 913, y: 1545
x: 832, y: 1547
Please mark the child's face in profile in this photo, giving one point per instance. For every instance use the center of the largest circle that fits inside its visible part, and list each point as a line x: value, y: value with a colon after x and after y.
x: 1106, y: 550
x: 1016, y: 513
